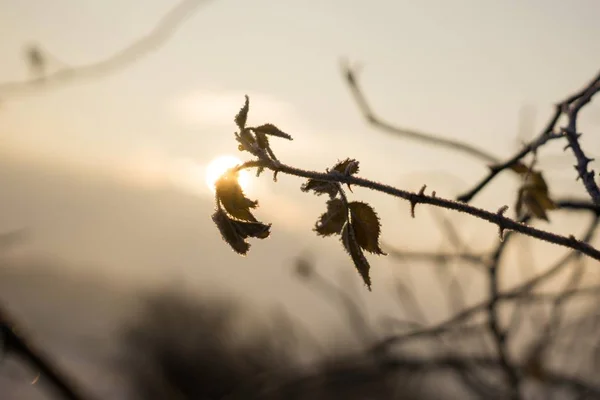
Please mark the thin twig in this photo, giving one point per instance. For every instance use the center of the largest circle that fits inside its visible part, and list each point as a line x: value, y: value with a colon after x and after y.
x: 497, y: 218
x: 515, y: 293
x: 160, y: 34
x: 429, y: 138
x: 572, y: 135
x: 15, y: 343
x: 498, y: 333
x: 573, y: 104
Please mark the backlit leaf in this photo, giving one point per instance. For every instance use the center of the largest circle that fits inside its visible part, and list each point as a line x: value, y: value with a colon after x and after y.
x: 332, y: 221
x: 359, y: 259
x: 231, y: 196
x: 347, y: 167
x: 519, y: 167
x: 229, y: 233
x: 367, y: 227
x: 246, y: 141
x: 262, y: 140
x: 533, y: 196
x: 252, y: 229
x: 242, y: 115
x: 236, y: 232
x: 270, y: 129
x: 530, y: 201
x: 320, y: 187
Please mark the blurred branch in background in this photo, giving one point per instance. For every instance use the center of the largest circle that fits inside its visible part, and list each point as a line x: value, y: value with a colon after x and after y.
x: 14, y: 343
x: 570, y: 107
x: 185, y: 349
x: 350, y: 75
x: 43, y: 78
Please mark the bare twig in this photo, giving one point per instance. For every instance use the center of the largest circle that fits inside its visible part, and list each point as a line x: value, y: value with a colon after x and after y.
x: 575, y: 102
x: 370, y: 116
x: 439, y: 257
x: 572, y: 110
x: 498, y: 333
x: 571, y: 105
x: 503, y: 223
x: 161, y: 32
x: 517, y: 292
x: 14, y: 343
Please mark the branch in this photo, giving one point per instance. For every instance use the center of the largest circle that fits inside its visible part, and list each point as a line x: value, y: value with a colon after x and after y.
x: 370, y: 116
x: 499, y: 335
x: 17, y: 344
x: 160, y: 34
x: 570, y: 131
x: 503, y: 223
x: 515, y: 293
x: 496, y: 169
x: 574, y: 104
x: 437, y: 257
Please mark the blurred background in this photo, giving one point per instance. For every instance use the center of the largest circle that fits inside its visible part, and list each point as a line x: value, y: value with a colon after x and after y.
x: 112, y: 114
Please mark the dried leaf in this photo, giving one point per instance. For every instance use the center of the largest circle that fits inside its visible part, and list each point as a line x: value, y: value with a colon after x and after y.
x: 252, y: 229
x: 262, y: 140
x: 333, y: 220
x: 229, y: 233
x: 519, y: 203
x: 320, y: 187
x: 236, y: 232
x: 530, y: 200
x: 366, y: 226
x: 534, y: 197
x: 347, y: 167
x: 352, y: 247
x: 246, y: 141
x: 536, y: 180
x: 242, y: 115
x: 231, y: 196
x: 270, y: 129
x: 519, y: 167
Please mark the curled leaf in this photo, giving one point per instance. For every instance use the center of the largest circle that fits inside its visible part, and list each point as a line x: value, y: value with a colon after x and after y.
x: 534, y: 197
x: 230, y: 195
x: 366, y: 226
x: 272, y: 130
x: 332, y: 221
x: 246, y: 141
x: 519, y: 167
x: 242, y: 115
x: 360, y: 262
x: 229, y: 233
x: 347, y: 167
x: 320, y: 187
x: 236, y: 232
x: 262, y: 140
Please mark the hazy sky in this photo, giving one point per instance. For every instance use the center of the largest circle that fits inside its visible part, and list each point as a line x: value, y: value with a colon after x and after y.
x: 462, y: 69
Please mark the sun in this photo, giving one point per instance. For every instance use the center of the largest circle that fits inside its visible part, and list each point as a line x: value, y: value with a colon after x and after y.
x: 219, y: 166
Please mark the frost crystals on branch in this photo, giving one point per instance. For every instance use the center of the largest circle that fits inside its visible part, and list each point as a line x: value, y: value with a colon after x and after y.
x: 356, y: 222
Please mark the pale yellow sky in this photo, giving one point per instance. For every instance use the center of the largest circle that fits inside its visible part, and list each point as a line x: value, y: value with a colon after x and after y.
x: 462, y: 69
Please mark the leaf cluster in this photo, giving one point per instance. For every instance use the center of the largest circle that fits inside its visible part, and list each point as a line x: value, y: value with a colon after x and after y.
x: 255, y: 140
x: 233, y: 216
x: 356, y: 222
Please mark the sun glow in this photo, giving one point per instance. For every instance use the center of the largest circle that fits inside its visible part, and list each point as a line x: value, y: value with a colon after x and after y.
x: 219, y: 166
